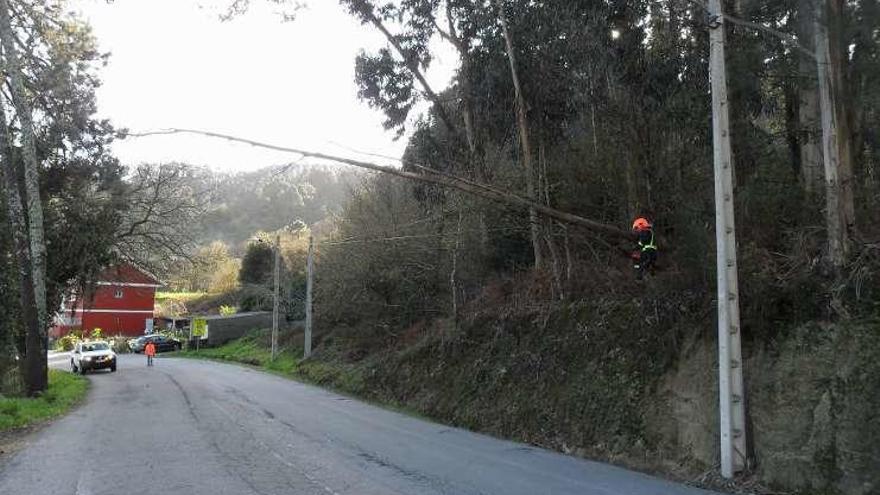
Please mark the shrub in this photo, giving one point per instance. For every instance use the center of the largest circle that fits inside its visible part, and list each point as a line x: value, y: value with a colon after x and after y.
x: 227, y: 310
x: 97, y: 333
x: 66, y: 343
x: 119, y: 344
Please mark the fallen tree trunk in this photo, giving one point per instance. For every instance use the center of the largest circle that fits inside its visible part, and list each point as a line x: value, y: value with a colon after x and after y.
x: 431, y: 176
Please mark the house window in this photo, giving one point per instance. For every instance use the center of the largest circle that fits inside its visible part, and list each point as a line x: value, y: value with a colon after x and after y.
x: 118, y: 294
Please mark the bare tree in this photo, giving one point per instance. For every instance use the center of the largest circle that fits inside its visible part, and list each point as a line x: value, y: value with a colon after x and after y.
x: 162, y: 205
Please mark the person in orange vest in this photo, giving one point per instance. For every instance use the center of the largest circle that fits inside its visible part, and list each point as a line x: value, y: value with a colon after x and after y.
x: 150, y: 351
x: 646, y: 254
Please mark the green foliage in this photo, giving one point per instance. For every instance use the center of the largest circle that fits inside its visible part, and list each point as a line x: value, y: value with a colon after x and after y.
x: 257, y: 264
x: 619, y: 128
x: 65, y: 391
x: 66, y: 343
x: 96, y: 334
x: 179, y: 296
x: 119, y: 344
x: 252, y: 350
x: 257, y: 276
x: 227, y: 310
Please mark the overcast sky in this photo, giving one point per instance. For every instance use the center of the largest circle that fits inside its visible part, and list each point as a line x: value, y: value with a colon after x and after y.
x: 175, y: 64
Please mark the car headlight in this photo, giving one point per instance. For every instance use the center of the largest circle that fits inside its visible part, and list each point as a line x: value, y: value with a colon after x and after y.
x: 87, y: 358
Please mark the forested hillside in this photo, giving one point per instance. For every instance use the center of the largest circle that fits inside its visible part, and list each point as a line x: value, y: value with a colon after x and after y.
x: 497, y: 318
x: 270, y: 199
x: 241, y: 207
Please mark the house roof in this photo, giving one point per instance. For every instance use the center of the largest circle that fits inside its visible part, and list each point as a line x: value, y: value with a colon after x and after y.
x: 126, y: 273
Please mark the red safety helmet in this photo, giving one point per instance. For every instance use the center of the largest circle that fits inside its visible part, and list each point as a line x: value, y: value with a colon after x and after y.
x: 641, y: 224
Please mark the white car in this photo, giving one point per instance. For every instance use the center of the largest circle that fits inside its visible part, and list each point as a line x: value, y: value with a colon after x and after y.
x: 92, y: 356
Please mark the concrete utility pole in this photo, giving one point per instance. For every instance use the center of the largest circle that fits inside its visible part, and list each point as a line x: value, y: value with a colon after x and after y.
x: 310, y: 272
x: 730, y: 381
x: 275, y: 303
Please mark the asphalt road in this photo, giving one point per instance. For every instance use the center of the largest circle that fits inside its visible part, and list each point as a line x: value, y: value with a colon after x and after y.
x: 198, y: 427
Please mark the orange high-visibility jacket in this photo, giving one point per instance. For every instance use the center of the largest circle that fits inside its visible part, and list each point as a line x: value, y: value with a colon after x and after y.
x: 150, y: 349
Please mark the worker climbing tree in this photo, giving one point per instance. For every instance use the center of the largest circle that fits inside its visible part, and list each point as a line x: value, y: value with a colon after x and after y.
x: 645, y: 255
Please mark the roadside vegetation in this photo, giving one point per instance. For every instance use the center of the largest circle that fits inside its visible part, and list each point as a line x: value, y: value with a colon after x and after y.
x: 178, y: 296
x: 119, y: 343
x: 255, y: 350
x: 65, y: 391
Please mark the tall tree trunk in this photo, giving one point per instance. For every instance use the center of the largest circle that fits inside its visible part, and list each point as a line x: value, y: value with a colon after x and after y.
x: 568, y: 258
x: 464, y: 85
x: 547, y: 224
x: 835, y: 131
x: 453, y: 284
x: 18, y: 228
x: 36, y: 376
x: 476, y: 160
x: 522, y: 124
x: 835, y: 139
x: 808, y: 142
x: 842, y: 99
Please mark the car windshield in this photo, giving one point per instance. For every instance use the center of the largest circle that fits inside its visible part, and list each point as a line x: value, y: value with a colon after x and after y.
x: 97, y: 346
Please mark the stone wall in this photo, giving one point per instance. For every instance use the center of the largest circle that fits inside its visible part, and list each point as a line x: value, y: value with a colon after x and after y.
x: 222, y: 329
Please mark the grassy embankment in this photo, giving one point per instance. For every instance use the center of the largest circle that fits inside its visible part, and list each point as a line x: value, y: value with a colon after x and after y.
x: 183, y: 296
x: 254, y: 350
x: 65, y: 391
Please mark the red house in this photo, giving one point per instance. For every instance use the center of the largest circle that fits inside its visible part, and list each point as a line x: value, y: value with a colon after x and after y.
x: 121, y: 304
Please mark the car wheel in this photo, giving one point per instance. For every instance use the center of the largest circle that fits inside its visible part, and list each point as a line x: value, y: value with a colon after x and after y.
x: 72, y: 367
x: 82, y: 370
x: 113, y: 368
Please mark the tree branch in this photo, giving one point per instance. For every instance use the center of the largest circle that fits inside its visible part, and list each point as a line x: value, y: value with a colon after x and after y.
x: 432, y: 176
